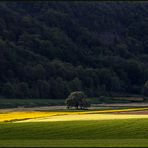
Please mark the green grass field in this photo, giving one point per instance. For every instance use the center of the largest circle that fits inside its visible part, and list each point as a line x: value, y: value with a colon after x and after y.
x: 11, y: 103
x: 121, y: 133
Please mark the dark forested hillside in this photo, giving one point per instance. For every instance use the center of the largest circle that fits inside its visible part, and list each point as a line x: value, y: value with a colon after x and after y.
x: 48, y: 49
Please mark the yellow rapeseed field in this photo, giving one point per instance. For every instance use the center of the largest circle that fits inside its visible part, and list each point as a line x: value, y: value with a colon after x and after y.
x: 38, y: 116
x: 13, y: 116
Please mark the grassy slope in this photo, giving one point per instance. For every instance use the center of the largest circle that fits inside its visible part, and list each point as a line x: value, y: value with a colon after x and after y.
x: 131, y: 132
x: 111, y: 129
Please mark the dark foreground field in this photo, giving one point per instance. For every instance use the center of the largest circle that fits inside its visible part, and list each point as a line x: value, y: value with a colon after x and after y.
x: 76, y: 143
x: 121, y: 133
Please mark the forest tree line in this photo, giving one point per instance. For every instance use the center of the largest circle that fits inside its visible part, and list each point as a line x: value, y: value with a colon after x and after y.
x: 50, y: 49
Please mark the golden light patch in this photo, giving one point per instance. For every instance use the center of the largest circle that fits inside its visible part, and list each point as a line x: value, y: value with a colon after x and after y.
x: 38, y: 116
x: 119, y: 110
x: 85, y: 117
x: 12, y: 116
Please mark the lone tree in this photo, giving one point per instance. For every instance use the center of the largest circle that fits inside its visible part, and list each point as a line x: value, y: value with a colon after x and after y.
x: 77, y: 99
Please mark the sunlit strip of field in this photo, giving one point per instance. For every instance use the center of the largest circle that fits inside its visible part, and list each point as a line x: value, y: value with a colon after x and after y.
x: 84, y: 117
x: 10, y: 116
x: 117, y: 110
x: 16, y: 116
x: 37, y: 116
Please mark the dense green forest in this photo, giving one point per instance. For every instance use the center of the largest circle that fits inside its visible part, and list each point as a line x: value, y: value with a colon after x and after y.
x: 49, y: 49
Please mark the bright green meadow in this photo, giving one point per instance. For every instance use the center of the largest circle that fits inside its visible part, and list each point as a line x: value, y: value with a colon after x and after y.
x: 106, y: 133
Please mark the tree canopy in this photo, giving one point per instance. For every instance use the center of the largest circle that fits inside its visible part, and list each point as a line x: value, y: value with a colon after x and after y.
x: 77, y: 99
x: 49, y: 49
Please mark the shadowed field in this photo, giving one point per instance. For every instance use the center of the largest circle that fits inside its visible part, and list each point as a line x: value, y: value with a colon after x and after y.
x: 76, y: 143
